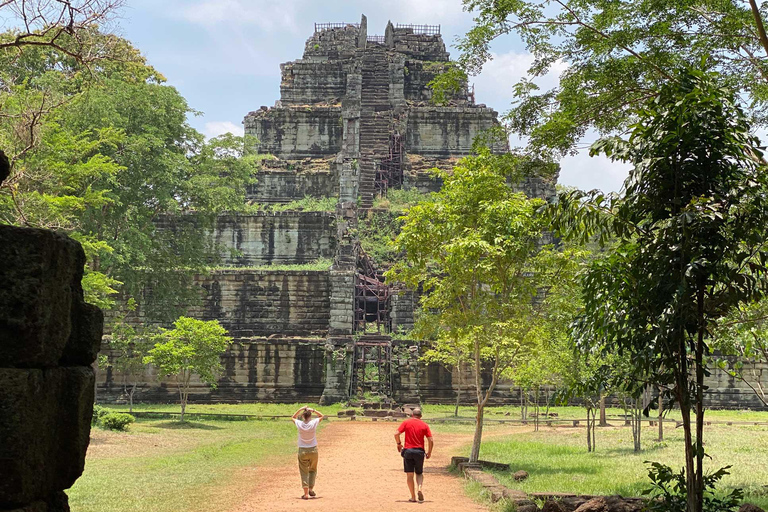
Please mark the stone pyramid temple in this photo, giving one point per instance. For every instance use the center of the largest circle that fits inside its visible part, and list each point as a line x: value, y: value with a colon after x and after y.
x: 355, y: 120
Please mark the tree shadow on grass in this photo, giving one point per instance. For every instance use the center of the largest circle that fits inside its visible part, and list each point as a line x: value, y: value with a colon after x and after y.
x: 186, y: 425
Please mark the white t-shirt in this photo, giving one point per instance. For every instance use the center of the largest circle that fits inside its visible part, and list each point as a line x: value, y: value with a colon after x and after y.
x: 307, y: 437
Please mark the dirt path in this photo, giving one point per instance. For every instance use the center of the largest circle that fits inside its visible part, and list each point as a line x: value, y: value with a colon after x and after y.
x: 359, y: 470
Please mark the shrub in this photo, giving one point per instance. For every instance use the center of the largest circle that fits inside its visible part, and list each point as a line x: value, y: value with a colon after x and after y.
x: 668, y: 491
x: 116, y: 421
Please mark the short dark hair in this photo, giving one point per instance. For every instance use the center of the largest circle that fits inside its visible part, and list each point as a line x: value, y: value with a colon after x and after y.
x: 307, y: 414
x: 416, y: 411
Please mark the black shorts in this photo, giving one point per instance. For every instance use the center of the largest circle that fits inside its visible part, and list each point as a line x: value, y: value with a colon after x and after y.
x: 413, y: 460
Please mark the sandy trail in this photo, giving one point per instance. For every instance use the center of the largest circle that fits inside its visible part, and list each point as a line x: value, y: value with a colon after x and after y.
x: 359, y: 470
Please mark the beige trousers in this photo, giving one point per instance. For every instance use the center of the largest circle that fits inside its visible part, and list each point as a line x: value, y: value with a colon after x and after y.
x: 308, y: 466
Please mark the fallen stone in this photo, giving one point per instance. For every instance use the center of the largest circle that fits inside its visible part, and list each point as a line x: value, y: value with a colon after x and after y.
x: 612, y: 504
x: 553, y: 506
x: 748, y: 507
x: 519, y: 476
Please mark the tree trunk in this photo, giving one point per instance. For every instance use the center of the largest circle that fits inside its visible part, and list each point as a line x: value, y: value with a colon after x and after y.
x: 130, y: 398
x: 537, y: 409
x: 603, y: 418
x: 661, y: 414
x: 700, y: 402
x: 474, y: 456
x: 637, y: 412
x: 458, y: 391
x: 590, y: 420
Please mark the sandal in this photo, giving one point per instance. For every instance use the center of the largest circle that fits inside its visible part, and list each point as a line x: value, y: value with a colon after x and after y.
x: 421, y: 496
x: 305, y: 497
x: 312, y: 493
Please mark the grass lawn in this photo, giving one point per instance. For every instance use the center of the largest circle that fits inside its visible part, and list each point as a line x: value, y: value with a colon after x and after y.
x: 557, y: 459
x: 162, y: 465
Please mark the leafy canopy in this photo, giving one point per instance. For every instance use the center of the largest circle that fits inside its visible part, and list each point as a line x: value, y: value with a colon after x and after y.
x: 617, y: 55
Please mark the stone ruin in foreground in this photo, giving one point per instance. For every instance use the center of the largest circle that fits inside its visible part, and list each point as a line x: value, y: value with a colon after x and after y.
x: 354, y: 120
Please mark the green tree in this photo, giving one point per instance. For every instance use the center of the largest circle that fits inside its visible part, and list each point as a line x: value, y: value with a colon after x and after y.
x: 616, y: 56
x: 110, y: 156
x: 192, y: 347
x: 474, y: 247
x: 690, y: 234
x: 129, y: 345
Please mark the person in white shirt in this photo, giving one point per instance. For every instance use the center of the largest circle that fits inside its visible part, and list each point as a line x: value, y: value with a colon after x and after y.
x: 307, y: 448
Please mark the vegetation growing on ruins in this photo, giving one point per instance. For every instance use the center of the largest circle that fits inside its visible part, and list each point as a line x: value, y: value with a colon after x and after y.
x: 305, y: 204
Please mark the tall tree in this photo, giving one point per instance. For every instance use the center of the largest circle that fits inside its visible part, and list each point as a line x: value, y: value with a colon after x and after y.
x: 615, y: 56
x: 110, y: 155
x: 690, y: 236
x: 475, y: 248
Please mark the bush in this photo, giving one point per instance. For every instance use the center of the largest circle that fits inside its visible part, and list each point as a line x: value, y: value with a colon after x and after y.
x: 668, y: 492
x: 116, y: 421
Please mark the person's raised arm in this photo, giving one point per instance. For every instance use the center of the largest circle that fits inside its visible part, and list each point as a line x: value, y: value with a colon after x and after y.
x: 296, y: 414
x: 319, y: 414
x: 430, y: 444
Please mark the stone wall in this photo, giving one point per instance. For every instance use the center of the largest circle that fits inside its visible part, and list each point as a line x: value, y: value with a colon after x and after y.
x: 418, y: 74
x: 419, y: 46
x: 257, y: 369
x: 307, y: 83
x: 49, y: 339
x: 262, y: 303
x: 446, y: 131
x: 280, y: 238
x: 286, y: 186
x: 296, y: 132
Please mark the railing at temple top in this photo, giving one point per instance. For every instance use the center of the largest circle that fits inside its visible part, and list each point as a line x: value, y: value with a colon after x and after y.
x: 319, y: 27
x: 427, y: 30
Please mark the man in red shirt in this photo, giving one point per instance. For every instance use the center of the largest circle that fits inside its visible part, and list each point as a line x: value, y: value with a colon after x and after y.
x: 413, y: 454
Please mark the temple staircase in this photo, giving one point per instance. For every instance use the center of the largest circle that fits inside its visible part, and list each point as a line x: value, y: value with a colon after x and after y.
x: 375, y: 120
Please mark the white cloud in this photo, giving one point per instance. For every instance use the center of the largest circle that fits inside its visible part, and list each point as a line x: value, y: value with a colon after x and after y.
x: 216, y: 128
x: 494, y: 85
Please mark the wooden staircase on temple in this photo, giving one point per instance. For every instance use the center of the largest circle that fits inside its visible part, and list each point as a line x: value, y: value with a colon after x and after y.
x: 375, y: 120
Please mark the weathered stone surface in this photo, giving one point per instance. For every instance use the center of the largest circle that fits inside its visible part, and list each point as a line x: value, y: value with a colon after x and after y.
x: 553, y: 506
x: 519, y: 476
x: 40, y: 272
x: 611, y: 504
x: 45, y: 418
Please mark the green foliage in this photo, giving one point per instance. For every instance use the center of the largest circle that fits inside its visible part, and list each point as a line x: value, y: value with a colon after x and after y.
x: 192, y: 347
x: 86, y: 142
x: 474, y: 249
x: 689, y: 242
x: 98, y: 413
x: 116, y: 421
x: 318, y: 264
x: 668, y: 491
x: 448, y: 84
x: 306, y: 204
x: 399, y: 200
x: 612, y: 57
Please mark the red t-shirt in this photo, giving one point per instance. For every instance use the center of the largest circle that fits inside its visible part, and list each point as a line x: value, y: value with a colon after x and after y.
x: 415, y: 432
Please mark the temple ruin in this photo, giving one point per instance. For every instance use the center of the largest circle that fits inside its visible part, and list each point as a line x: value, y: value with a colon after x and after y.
x: 355, y: 119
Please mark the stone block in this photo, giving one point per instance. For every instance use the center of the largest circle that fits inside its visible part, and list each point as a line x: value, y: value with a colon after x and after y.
x: 41, y: 273
x: 45, y: 422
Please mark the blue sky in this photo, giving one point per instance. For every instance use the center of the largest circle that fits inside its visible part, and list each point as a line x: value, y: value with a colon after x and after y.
x: 224, y: 56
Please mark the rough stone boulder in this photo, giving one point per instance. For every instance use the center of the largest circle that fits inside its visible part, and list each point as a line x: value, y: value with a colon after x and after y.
x: 519, y: 476
x: 553, y: 506
x: 49, y: 337
x: 612, y: 504
x: 748, y: 507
